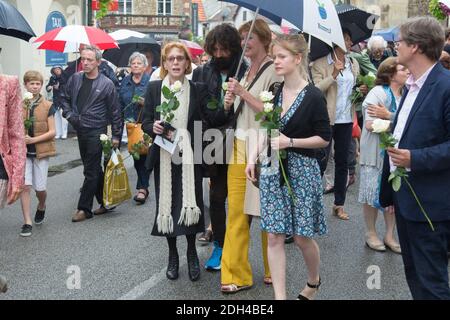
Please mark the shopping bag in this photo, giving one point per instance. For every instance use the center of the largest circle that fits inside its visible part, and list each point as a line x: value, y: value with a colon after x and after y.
x: 116, y: 188
x: 135, y: 135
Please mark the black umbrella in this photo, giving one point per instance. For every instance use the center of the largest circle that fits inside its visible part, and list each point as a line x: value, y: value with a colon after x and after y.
x: 13, y: 24
x: 127, y: 46
x: 360, y: 24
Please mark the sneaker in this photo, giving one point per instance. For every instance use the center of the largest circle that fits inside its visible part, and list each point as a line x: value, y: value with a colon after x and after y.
x: 213, y: 262
x: 39, y: 216
x: 26, y: 230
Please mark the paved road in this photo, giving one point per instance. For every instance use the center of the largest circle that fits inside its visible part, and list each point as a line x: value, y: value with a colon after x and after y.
x: 118, y: 259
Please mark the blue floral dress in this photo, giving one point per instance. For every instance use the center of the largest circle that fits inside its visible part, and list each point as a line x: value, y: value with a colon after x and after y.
x: 279, y: 213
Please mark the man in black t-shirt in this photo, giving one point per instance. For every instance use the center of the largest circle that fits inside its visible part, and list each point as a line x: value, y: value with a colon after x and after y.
x: 90, y: 102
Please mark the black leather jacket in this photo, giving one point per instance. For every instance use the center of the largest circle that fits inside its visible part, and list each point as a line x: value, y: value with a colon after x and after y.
x: 102, y: 107
x: 210, y: 76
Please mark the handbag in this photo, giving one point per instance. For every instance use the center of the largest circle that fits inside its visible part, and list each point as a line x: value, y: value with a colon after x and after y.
x: 258, y: 166
x: 356, y: 130
x: 136, y: 135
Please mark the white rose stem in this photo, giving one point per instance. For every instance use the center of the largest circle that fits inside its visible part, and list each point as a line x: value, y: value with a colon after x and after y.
x: 245, y: 43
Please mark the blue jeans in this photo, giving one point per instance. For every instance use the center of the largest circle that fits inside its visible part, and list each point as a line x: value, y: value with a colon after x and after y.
x: 143, y: 174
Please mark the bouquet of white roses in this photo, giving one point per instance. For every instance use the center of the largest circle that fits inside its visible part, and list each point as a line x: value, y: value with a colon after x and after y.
x: 214, y: 103
x: 106, y: 145
x: 28, y: 122
x: 387, y: 140
x: 369, y: 81
x: 270, y: 120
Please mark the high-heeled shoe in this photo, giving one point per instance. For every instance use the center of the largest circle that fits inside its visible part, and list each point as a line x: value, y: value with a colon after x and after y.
x: 193, y: 265
x: 312, y: 286
x: 172, y: 267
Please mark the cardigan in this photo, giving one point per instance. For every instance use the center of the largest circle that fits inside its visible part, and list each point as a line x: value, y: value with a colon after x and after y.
x: 12, y: 132
x: 310, y: 119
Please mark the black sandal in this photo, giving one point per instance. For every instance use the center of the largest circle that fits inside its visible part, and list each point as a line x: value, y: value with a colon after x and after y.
x: 141, y: 200
x: 312, y: 286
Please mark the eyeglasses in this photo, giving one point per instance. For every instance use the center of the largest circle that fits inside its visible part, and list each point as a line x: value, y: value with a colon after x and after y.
x: 397, y: 43
x: 178, y: 58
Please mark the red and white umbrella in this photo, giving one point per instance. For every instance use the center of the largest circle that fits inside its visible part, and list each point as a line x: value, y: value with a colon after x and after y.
x: 69, y: 38
x: 194, y: 48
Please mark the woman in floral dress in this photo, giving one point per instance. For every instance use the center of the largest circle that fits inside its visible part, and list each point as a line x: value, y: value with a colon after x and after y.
x: 304, y: 127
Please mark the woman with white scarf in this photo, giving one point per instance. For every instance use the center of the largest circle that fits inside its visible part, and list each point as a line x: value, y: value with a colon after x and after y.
x: 178, y: 186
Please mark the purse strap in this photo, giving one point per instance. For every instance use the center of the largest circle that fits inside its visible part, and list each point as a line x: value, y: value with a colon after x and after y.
x: 241, y: 104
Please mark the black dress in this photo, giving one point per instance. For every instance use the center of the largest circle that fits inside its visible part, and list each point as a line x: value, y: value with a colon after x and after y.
x: 198, y: 111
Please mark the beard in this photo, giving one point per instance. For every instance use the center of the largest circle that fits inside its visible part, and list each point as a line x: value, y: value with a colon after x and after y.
x: 222, y: 63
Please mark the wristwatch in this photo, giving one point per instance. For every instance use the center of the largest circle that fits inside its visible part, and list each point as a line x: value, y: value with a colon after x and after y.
x: 291, y: 143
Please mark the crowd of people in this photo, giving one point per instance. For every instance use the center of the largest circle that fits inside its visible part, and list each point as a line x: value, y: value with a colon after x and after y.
x: 277, y: 177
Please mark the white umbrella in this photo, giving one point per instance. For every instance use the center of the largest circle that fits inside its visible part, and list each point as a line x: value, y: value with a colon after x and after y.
x: 125, y: 33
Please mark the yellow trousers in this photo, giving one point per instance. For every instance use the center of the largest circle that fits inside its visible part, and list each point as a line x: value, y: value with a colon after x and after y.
x: 236, y: 268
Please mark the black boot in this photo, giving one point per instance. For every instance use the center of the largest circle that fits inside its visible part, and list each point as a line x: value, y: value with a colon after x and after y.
x: 172, y: 268
x: 193, y: 265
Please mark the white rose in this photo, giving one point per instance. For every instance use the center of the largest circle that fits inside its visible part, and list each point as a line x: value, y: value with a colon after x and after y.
x: 28, y: 96
x: 266, y: 96
x: 104, y: 137
x: 379, y: 125
x: 225, y: 86
x: 176, y: 87
x: 268, y: 107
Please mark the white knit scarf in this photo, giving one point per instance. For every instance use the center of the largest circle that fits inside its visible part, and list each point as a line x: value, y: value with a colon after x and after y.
x: 190, y: 212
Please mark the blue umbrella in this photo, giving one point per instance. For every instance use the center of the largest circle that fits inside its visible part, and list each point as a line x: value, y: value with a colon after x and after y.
x: 315, y: 17
x: 318, y: 18
x: 390, y: 34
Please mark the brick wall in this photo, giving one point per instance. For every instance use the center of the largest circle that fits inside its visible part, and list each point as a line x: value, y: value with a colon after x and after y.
x: 150, y: 7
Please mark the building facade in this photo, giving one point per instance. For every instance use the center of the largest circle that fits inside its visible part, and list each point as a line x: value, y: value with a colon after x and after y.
x: 160, y: 18
x: 18, y: 56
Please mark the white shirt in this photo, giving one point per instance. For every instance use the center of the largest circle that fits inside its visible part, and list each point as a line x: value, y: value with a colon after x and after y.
x: 345, y: 83
x: 414, y: 87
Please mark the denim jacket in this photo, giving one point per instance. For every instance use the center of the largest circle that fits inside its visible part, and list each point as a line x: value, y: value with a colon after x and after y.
x: 127, y: 90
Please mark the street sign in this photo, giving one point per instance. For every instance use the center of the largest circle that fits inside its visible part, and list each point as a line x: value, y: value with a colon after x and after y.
x: 194, y: 22
x: 52, y: 58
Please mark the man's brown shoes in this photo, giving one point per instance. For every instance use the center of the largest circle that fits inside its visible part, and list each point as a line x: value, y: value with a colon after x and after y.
x: 80, y: 215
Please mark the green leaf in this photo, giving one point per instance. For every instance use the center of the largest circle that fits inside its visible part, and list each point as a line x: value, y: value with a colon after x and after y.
x: 396, y: 183
x: 391, y: 176
x: 159, y: 109
x: 171, y: 104
x: 259, y: 116
x: 283, y: 154
x: 166, y: 92
x: 212, y: 105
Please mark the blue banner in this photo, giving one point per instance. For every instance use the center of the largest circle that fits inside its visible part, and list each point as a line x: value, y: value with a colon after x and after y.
x: 53, y: 58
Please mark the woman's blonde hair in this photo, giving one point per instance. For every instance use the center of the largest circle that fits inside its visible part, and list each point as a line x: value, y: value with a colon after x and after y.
x: 296, y: 45
x: 165, y: 51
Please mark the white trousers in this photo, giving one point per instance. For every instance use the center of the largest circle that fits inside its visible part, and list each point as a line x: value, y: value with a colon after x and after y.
x: 61, y: 125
